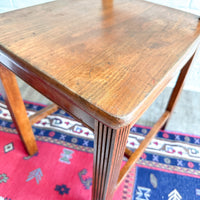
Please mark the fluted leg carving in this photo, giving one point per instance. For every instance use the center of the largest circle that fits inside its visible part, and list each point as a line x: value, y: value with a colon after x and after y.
x: 108, y: 154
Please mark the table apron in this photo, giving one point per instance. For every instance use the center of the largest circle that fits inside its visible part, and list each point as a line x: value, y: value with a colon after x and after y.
x: 49, y: 91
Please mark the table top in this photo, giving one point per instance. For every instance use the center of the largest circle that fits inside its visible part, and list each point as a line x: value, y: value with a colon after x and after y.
x: 113, y: 58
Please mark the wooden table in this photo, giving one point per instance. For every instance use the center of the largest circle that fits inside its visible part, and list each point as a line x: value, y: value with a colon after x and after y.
x: 102, y: 62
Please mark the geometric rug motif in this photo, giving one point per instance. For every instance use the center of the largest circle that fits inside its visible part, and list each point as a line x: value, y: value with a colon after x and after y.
x: 63, y: 166
x: 169, y: 168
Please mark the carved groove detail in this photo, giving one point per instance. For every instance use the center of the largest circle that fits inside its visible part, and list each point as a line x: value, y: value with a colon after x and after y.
x: 108, y: 154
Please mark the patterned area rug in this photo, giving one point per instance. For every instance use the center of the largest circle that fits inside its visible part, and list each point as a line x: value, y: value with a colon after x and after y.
x: 61, y: 170
x: 168, y: 170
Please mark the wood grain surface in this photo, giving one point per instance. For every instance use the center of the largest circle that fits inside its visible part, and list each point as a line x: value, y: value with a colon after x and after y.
x: 110, y: 59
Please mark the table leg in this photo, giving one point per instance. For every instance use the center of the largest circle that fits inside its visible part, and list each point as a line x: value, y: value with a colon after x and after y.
x: 178, y: 88
x: 109, y: 149
x: 14, y: 102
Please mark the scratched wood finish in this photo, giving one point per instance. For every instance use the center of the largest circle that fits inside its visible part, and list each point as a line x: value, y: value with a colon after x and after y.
x: 108, y: 154
x: 94, y: 52
x: 14, y: 102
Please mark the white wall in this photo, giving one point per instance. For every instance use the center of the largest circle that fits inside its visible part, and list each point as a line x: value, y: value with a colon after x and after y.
x: 8, y: 5
x: 192, y: 6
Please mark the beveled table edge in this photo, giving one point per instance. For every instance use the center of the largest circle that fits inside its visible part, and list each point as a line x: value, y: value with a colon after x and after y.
x: 31, y: 75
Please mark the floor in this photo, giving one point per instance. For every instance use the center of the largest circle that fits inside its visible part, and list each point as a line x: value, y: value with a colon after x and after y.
x: 186, y: 116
